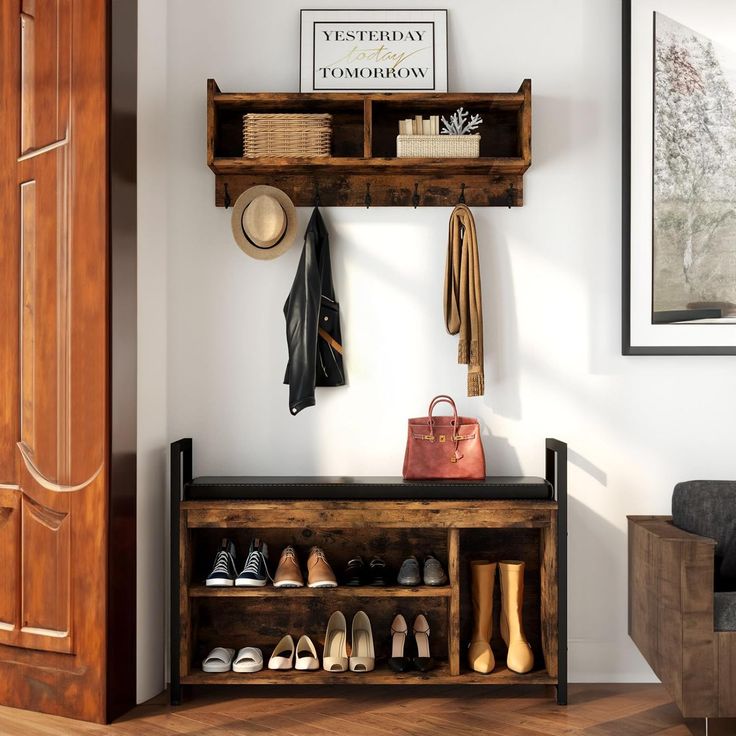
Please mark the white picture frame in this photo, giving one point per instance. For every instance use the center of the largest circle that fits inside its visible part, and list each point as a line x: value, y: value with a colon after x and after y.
x: 676, y: 332
x: 373, y: 51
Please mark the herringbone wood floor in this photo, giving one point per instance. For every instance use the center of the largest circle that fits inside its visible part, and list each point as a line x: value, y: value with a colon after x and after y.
x: 594, y: 710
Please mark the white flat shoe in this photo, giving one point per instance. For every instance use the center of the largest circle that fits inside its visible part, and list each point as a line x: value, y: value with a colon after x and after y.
x: 335, y: 655
x: 306, y: 654
x: 282, y: 657
x: 248, y: 659
x: 363, y: 656
x: 218, y: 660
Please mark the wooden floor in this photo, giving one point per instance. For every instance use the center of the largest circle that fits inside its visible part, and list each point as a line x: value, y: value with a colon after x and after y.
x: 595, y: 710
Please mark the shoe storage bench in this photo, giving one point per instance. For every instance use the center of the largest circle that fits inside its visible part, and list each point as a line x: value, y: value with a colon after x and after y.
x: 501, y: 518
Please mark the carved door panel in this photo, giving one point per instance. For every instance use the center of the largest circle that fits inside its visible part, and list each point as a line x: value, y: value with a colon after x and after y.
x: 9, y: 560
x: 53, y: 355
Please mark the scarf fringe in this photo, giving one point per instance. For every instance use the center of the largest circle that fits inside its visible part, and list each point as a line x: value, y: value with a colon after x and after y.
x: 476, y: 384
x: 474, y: 353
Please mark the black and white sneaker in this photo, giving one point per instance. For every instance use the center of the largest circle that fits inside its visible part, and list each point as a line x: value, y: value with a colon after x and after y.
x: 224, y: 570
x: 255, y: 571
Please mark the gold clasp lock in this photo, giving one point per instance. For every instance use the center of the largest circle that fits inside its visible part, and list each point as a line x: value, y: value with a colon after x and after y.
x: 453, y: 459
x: 428, y: 437
x: 442, y: 438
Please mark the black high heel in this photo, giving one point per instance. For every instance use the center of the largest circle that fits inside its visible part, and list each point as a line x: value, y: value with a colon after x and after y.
x: 424, y: 661
x: 397, y: 660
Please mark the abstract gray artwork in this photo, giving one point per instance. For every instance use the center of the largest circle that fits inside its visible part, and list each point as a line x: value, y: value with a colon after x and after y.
x: 694, y: 189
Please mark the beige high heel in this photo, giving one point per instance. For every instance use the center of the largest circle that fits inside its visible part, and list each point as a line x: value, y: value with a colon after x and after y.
x: 335, y: 655
x: 398, y: 661
x: 363, y: 655
x: 423, y: 661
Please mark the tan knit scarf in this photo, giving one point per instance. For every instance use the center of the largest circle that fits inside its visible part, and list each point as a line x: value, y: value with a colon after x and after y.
x: 463, y: 303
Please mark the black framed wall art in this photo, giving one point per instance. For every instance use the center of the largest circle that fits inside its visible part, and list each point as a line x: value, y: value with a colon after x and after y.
x: 373, y: 51
x: 679, y: 177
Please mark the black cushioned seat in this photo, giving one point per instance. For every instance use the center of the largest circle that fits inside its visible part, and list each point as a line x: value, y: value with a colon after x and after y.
x: 708, y: 508
x: 365, y: 488
x: 724, y: 611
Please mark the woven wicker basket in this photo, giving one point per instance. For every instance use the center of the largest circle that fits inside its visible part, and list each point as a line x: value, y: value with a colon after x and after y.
x: 266, y: 134
x: 438, y: 146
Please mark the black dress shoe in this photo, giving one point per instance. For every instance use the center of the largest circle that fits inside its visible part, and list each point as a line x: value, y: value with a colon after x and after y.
x: 377, y: 572
x: 354, y: 572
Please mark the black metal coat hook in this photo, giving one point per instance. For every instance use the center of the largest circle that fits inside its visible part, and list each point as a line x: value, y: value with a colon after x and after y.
x: 415, y: 198
x: 226, y: 197
x: 368, y: 199
x: 510, y: 196
x: 461, y: 198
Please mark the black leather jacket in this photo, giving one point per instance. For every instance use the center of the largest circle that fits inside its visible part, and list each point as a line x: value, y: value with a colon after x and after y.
x: 313, y: 322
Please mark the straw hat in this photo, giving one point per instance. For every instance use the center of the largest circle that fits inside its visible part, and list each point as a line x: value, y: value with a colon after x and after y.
x: 264, y: 222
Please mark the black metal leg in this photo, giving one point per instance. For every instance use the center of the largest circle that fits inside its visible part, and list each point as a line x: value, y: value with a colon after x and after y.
x: 181, y: 474
x: 175, y: 693
x: 562, y: 694
x: 556, y: 474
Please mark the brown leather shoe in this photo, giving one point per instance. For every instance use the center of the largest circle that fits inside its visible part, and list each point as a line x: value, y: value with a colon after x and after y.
x: 320, y: 573
x: 288, y: 574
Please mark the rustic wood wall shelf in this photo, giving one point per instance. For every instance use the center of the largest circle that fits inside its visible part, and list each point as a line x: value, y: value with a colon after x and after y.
x: 499, y: 518
x: 363, y: 169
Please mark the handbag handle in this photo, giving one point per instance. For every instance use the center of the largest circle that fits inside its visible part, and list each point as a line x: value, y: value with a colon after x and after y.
x: 441, y: 399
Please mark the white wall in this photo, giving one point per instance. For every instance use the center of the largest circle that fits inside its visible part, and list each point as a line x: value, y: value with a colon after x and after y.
x: 551, y: 280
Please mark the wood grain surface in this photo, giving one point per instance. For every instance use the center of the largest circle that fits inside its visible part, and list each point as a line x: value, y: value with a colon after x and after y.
x: 671, y: 602
x: 595, y: 710
x: 54, y: 359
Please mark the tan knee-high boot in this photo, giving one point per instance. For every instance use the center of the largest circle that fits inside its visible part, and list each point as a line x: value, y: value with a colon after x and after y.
x: 480, y: 655
x: 520, y: 657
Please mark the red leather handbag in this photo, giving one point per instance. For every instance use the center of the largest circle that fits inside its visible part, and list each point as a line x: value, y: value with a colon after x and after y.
x: 444, y: 448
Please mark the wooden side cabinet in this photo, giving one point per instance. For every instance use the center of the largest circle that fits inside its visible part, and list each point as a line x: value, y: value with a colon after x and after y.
x: 367, y: 516
x: 671, y: 621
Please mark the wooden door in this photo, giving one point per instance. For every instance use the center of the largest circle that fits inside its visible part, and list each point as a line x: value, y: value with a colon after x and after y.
x: 54, y: 434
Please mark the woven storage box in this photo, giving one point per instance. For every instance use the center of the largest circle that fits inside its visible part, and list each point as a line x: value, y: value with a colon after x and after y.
x: 438, y: 146
x: 266, y: 134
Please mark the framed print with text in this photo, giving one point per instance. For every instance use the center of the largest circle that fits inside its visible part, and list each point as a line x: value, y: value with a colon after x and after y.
x: 373, y: 51
x: 679, y: 177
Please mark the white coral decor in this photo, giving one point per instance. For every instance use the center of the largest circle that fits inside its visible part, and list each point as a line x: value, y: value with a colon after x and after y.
x: 459, y: 123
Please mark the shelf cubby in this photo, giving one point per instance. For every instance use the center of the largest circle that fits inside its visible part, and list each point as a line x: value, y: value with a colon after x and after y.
x: 382, y: 675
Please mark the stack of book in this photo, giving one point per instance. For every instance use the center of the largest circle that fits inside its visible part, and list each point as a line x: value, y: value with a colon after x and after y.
x: 420, y: 126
